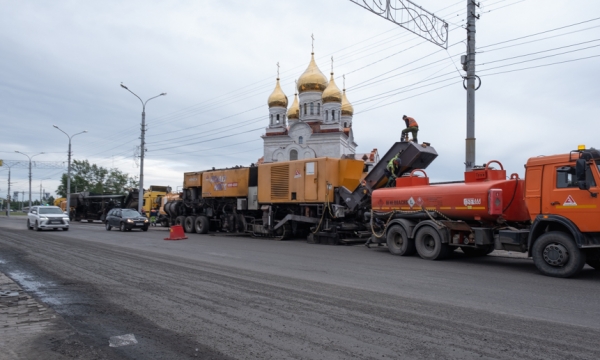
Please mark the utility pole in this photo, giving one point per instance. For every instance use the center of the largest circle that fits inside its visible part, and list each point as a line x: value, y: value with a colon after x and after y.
x: 68, y: 207
x: 470, y: 79
x: 412, y: 17
x: 142, y: 147
x: 29, y: 157
x: 8, y: 195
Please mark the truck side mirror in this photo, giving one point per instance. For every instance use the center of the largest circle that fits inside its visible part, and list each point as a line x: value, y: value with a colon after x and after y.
x: 581, y: 170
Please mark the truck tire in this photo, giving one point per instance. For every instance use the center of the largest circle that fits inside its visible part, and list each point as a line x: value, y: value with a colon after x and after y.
x: 398, y: 242
x: 556, y: 254
x: 429, y: 244
x: 188, y: 224
x: 180, y: 220
x: 201, y: 225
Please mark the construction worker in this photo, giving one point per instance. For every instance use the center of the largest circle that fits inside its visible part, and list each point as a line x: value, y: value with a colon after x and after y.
x: 393, y: 168
x: 153, y: 215
x: 411, y: 127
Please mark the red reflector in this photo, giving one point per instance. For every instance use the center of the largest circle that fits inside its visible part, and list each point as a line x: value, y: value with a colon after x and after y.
x: 495, y: 202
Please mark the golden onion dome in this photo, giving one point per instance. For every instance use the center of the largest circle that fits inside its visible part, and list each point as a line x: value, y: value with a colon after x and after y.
x: 277, y: 97
x: 312, y: 79
x: 294, y: 111
x: 347, y: 109
x: 332, y: 93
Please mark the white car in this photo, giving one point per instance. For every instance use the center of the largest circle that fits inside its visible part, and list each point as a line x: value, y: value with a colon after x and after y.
x: 47, y: 217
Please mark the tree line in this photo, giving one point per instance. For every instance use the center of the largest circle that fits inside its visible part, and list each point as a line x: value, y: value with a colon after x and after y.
x: 96, y: 179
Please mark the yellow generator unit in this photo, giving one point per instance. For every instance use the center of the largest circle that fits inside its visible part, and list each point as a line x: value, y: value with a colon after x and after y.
x: 307, y: 180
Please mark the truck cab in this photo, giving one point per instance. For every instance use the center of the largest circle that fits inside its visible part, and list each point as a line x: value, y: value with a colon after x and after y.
x: 561, y: 192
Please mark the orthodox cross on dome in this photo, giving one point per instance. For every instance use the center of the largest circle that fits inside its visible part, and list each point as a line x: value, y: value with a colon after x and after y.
x: 278, y: 70
x: 344, y: 81
x: 296, y: 81
x: 332, y: 65
x: 312, y: 36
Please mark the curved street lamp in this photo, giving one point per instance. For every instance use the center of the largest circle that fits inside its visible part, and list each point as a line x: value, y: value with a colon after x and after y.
x: 29, y: 157
x: 68, y: 209
x: 142, y: 147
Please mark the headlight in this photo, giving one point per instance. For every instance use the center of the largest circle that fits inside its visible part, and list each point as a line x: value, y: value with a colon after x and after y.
x: 43, y: 217
x: 146, y: 220
x: 65, y: 219
x: 129, y: 220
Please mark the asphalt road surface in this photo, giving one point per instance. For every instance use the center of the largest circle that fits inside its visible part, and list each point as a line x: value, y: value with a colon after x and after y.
x: 227, y: 297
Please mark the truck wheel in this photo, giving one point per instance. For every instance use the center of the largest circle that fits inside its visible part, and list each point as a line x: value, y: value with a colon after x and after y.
x: 180, y: 220
x: 36, y: 226
x: 201, y: 225
x: 122, y: 227
x: 398, y: 242
x: 555, y: 254
x: 108, y: 227
x: 189, y: 224
x: 429, y: 244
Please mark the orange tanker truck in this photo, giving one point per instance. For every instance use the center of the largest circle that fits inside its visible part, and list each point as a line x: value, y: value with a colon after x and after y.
x: 553, y: 214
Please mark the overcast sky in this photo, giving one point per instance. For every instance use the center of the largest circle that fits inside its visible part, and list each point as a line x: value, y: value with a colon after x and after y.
x: 62, y: 63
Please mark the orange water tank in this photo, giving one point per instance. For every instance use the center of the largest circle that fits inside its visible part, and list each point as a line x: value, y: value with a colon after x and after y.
x: 485, y: 195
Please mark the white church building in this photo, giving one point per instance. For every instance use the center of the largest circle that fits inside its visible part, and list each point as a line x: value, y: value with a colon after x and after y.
x: 318, y: 124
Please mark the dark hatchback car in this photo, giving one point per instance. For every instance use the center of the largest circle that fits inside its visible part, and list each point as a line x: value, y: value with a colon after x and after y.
x: 126, y: 219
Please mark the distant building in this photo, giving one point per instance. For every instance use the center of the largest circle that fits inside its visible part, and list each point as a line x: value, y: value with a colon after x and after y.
x: 318, y: 124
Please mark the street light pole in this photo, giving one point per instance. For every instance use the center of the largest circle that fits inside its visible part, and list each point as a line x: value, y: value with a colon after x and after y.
x: 8, y: 194
x: 142, y: 147
x: 29, y: 157
x: 68, y: 209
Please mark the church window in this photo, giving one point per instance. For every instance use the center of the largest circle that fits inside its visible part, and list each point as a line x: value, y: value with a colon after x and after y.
x: 293, y: 155
x: 304, y: 108
x: 312, y: 108
x: 277, y: 118
x: 332, y: 115
x: 300, y: 140
x: 319, y: 109
x: 345, y: 124
x: 326, y: 115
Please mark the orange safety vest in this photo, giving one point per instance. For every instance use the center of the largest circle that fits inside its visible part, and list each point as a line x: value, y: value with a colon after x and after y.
x: 411, y: 122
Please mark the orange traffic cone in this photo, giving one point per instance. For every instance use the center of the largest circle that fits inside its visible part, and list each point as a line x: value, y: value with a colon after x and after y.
x: 176, y: 233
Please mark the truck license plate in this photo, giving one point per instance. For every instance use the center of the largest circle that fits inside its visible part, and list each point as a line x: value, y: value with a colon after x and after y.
x: 139, y: 223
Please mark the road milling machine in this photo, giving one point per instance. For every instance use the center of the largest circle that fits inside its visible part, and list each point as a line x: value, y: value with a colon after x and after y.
x: 322, y: 199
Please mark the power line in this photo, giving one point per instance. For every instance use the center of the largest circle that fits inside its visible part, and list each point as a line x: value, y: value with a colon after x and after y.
x: 539, y: 58
x: 540, y: 66
x: 539, y: 33
x: 218, y: 138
